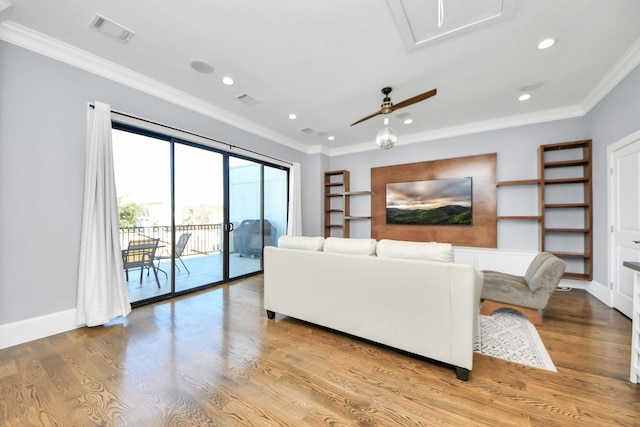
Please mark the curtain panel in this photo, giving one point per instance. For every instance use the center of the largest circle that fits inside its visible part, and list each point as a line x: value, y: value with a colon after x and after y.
x: 102, y: 289
x: 294, y: 224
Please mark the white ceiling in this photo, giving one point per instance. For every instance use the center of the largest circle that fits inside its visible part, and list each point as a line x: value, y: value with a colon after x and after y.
x: 326, y: 61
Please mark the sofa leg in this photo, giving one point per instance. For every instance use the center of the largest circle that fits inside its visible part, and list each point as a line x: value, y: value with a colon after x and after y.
x: 271, y: 314
x: 462, y: 373
x: 489, y: 306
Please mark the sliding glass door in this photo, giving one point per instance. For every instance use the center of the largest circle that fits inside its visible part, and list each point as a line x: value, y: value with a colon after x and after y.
x: 210, y: 213
x: 198, y: 195
x: 257, y: 213
x: 143, y: 184
x: 245, y: 216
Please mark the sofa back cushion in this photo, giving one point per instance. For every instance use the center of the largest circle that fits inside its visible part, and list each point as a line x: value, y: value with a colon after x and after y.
x: 426, y: 251
x: 340, y: 245
x: 305, y: 243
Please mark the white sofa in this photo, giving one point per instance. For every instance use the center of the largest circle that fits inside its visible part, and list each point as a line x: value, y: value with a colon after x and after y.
x: 406, y: 295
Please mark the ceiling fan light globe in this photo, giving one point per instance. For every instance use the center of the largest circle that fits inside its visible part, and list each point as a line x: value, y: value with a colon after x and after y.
x: 386, y: 138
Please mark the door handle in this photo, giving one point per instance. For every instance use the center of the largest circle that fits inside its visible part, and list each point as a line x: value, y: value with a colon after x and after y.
x: 229, y: 227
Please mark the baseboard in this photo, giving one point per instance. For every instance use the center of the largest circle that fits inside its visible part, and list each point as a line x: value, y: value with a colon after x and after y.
x: 598, y: 290
x: 594, y: 288
x: 43, y: 326
x: 37, y: 327
x: 573, y: 284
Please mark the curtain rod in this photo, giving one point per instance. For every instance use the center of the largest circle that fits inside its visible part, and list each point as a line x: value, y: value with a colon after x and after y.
x: 231, y: 146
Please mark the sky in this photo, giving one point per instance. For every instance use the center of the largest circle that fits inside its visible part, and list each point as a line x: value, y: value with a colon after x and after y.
x: 142, y: 171
x: 429, y: 194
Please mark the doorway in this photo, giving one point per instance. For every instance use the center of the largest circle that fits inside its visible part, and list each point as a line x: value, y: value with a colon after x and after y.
x: 210, y: 212
x: 624, y: 219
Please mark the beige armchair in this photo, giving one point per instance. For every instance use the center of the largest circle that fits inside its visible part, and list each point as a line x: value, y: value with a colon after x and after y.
x: 528, y: 294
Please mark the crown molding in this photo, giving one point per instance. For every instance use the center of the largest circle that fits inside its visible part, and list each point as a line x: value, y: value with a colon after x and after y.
x: 629, y: 60
x: 24, y: 37
x: 34, y: 41
x: 471, y: 128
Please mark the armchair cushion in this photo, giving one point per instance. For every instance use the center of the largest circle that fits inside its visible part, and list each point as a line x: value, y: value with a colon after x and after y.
x: 506, y: 288
x: 535, y: 268
x: 533, y: 290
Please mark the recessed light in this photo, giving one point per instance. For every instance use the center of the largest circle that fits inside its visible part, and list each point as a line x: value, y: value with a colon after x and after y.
x: 408, y: 121
x: 524, y: 97
x: 227, y: 80
x: 331, y: 138
x: 202, y: 66
x: 546, y: 43
x: 292, y: 116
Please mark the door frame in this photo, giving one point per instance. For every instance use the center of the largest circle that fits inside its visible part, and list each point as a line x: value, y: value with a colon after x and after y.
x: 611, y: 214
x: 175, y: 136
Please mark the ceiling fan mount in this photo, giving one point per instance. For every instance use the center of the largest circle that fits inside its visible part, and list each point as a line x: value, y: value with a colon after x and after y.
x: 386, y: 102
x: 388, y: 107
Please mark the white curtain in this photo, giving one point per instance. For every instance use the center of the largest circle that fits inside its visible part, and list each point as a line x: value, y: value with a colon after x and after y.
x: 102, y: 289
x: 294, y: 226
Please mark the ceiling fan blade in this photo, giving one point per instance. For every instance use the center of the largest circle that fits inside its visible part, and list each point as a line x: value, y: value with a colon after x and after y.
x: 413, y: 100
x: 367, y: 118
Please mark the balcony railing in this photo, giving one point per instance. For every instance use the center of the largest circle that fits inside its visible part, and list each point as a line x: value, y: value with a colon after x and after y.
x: 205, y: 238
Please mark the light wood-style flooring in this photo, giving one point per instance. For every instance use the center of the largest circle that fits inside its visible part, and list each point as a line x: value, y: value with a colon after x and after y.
x: 214, y: 359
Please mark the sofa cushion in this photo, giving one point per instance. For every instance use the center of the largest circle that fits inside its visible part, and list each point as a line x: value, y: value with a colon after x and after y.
x: 305, y: 243
x: 428, y: 251
x: 340, y: 245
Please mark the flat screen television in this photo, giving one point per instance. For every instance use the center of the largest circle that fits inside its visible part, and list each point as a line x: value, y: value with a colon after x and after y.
x: 445, y: 201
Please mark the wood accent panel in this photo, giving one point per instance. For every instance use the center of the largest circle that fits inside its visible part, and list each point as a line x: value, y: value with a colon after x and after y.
x: 482, y: 169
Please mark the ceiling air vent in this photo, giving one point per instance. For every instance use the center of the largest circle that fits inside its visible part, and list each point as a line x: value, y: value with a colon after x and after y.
x: 110, y: 28
x: 247, y: 99
x: 308, y: 131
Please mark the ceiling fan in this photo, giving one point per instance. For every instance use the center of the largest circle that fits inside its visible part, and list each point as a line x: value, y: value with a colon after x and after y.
x: 389, y: 107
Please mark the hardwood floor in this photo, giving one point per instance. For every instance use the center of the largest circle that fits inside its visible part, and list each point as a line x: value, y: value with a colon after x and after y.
x: 214, y: 359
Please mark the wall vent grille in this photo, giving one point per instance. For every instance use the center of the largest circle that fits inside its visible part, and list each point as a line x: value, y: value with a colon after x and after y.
x: 247, y: 99
x: 110, y: 28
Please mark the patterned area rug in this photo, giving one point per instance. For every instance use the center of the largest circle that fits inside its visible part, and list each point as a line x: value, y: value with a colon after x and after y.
x: 508, y: 335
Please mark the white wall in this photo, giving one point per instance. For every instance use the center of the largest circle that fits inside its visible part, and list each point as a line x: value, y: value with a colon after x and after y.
x: 616, y: 116
x: 517, y: 150
x: 42, y: 124
x: 43, y: 106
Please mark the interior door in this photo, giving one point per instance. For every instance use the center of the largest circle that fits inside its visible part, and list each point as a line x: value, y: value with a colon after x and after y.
x: 625, y: 215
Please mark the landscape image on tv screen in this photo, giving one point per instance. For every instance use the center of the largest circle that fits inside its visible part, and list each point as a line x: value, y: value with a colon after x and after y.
x: 430, y: 202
